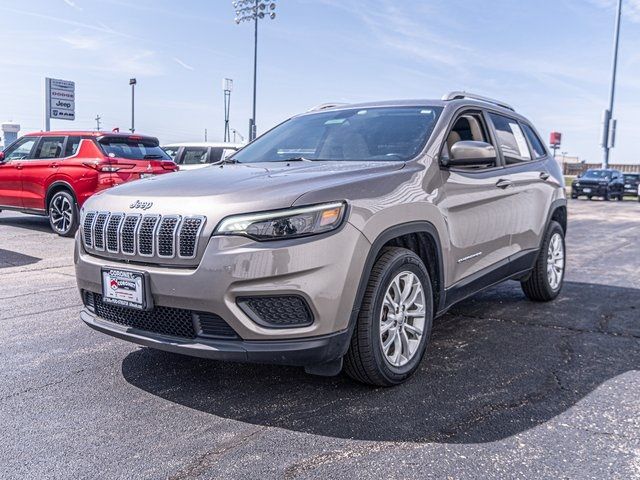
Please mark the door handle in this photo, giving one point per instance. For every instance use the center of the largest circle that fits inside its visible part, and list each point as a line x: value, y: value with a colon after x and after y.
x: 503, y: 183
x: 18, y: 166
x: 544, y: 176
x: 54, y: 165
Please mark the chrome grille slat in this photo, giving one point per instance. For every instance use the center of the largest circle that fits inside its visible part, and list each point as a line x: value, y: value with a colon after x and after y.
x: 98, y: 230
x: 188, y: 236
x: 128, y: 232
x: 146, y: 235
x: 113, y: 232
x: 87, y: 229
x: 166, y: 236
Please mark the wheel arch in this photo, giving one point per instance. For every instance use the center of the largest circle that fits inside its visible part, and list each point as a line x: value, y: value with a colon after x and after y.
x: 422, y: 238
x: 56, y: 187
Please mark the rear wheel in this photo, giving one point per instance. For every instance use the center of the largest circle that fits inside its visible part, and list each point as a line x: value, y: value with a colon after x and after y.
x: 394, y: 323
x: 606, y: 197
x: 63, y: 214
x: 547, y: 276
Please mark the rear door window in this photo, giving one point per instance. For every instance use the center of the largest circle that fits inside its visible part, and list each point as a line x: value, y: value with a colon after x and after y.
x: 215, y: 154
x: 133, y: 148
x: 49, y: 147
x: 511, y: 139
x: 72, y: 146
x: 20, y: 150
x: 194, y: 156
x: 536, y: 144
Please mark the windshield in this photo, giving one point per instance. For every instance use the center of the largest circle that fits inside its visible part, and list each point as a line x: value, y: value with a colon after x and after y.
x: 631, y: 177
x: 382, y: 133
x: 597, y: 174
x: 133, y: 148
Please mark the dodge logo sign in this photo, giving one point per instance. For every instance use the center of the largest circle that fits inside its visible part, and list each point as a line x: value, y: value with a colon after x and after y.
x: 142, y: 205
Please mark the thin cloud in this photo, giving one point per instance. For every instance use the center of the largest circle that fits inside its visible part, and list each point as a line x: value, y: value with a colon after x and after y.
x: 182, y: 64
x: 72, y: 4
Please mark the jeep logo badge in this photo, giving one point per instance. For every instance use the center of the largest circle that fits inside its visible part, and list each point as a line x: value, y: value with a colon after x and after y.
x: 142, y: 205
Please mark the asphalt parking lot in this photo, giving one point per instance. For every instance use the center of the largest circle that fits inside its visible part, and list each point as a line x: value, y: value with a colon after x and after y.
x: 508, y: 388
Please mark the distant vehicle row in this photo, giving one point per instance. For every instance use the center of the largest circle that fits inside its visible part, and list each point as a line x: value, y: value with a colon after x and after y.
x: 190, y: 156
x: 609, y: 184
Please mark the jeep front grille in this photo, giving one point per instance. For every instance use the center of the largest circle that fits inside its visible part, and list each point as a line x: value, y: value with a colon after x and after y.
x: 147, y: 235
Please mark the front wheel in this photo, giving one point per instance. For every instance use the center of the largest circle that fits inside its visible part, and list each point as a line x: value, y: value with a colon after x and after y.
x: 547, y: 276
x: 63, y: 214
x: 394, y: 324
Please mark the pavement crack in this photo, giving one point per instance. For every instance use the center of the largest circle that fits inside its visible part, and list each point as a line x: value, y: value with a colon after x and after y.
x: 202, y: 463
x: 555, y: 327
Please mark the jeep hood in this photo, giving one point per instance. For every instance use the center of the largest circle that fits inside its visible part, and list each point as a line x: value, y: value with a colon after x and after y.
x: 221, y: 190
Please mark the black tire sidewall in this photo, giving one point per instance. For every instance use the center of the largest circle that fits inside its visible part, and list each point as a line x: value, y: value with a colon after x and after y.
x: 412, y: 263
x: 74, y: 210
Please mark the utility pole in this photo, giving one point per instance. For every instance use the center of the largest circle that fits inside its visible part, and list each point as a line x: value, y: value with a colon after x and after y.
x: 98, y: 118
x: 205, y: 134
x: 608, y: 123
x: 132, y: 82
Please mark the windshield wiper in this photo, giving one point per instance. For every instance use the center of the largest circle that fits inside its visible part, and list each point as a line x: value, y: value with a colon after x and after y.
x: 152, y: 156
x: 296, y: 159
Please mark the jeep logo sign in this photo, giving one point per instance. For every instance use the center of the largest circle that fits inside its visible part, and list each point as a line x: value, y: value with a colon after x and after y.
x: 141, y: 205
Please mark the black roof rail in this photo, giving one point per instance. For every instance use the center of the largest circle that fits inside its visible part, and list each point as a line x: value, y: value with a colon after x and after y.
x: 459, y: 95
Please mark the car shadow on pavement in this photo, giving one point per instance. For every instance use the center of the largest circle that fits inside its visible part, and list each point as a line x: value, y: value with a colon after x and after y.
x: 497, y: 365
x: 10, y: 258
x: 28, y: 222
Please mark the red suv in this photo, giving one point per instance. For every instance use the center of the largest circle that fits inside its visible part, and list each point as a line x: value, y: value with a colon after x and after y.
x: 53, y: 173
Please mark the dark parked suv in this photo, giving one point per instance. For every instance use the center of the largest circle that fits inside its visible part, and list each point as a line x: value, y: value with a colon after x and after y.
x: 336, y: 237
x: 632, y: 184
x: 599, y: 182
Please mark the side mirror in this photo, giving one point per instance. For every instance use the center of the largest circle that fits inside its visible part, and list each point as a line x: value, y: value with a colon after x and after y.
x: 2, y: 160
x: 469, y: 153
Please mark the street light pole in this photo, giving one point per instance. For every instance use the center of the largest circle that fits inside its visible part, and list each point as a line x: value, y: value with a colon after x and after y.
x: 608, y: 127
x: 227, y: 86
x: 247, y: 11
x: 132, y: 82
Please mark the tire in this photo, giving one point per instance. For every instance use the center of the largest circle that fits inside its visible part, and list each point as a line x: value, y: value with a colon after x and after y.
x: 63, y: 214
x: 574, y: 196
x: 538, y: 286
x: 366, y: 360
x: 590, y: 197
x: 606, y: 197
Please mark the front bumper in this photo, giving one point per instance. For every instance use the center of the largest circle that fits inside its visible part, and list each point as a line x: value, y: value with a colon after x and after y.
x: 594, y: 190
x: 303, y: 352
x: 324, y: 270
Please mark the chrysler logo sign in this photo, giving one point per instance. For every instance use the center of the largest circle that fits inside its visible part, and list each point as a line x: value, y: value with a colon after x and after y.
x: 141, y: 205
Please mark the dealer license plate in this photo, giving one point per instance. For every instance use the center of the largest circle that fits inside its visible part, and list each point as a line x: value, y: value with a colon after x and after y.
x: 124, y: 288
x: 586, y: 190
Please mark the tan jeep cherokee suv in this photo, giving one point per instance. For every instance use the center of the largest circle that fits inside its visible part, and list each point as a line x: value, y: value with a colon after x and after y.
x: 331, y: 241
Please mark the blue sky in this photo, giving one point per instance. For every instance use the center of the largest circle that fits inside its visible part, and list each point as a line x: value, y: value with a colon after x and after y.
x: 549, y: 58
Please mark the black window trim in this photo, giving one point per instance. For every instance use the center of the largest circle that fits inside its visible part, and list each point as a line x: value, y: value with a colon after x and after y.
x: 490, y: 132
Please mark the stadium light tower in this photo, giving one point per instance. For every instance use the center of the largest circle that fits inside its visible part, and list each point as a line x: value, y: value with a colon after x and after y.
x: 252, y: 11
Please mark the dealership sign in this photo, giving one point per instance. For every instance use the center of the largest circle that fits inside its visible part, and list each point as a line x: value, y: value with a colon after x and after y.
x: 60, y: 98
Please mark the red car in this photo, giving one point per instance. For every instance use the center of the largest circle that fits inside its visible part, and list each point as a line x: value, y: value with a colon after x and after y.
x: 53, y: 173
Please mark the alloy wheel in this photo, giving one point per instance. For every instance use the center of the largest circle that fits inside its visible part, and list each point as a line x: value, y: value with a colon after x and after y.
x: 61, y: 213
x: 555, y: 261
x: 402, y: 319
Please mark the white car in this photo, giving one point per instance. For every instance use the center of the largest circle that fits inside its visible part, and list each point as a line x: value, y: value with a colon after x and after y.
x: 192, y: 155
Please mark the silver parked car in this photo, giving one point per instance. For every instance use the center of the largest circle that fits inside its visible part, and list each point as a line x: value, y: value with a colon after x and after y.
x: 331, y: 241
x: 193, y: 155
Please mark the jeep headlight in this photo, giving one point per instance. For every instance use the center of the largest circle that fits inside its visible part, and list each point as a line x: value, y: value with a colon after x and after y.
x: 283, y: 224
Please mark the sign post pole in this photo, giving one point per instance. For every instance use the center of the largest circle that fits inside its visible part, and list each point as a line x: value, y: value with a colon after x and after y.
x: 47, y: 104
